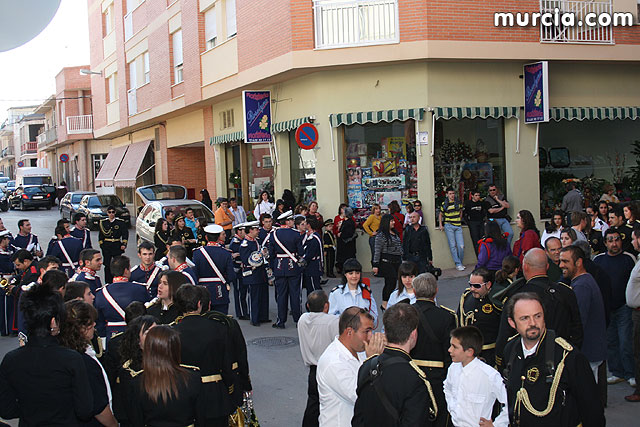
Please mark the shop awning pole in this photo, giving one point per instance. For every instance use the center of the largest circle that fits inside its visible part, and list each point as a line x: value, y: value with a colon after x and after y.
x: 433, y: 132
x: 418, y: 137
x: 535, y: 152
x: 518, y: 135
x: 333, y: 150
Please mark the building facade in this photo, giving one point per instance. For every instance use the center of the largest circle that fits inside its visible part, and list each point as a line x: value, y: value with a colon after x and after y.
x: 408, y: 97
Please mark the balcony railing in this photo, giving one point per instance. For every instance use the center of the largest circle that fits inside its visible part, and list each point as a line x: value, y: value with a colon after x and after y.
x: 348, y: 23
x: 132, y: 101
x: 47, y: 137
x: 79, y: 124
x: 30, y: 147
x: 41, y: 139
x: 577, y: 34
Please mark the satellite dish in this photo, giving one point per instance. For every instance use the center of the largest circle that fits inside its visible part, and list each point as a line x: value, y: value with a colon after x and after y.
x: 21, y: 21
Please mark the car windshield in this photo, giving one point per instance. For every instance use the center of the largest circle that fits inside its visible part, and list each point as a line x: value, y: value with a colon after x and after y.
x: 49, y: 188
x: 36, y: 180
x: 32, y: 190
x: 11, y: 183
x: 75, y: 198
x: 198, y: 211
x: 4, y: 179
x: 100, y: 201
x: 163, y: 192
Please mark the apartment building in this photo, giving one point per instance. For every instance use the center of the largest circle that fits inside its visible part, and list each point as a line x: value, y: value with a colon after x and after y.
x: 66, y: 144
x: 408, y: 96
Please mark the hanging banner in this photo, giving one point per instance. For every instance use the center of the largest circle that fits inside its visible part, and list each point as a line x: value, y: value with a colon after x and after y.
x: 536, y: 92
x: 256, y: 106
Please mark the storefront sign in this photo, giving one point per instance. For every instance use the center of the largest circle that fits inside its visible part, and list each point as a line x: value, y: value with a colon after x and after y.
x: 256, y: 105
x: 307, y: 136
x: 383, y: 182
x: 64, y: 158
x: 536, y: 92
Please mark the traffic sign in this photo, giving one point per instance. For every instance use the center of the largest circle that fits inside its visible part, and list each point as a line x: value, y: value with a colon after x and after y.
x: 307, y: 136
x: 20, y: 164
x: 64, y: 158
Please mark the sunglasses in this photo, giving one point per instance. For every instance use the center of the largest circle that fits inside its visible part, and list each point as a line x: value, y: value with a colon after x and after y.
x: 111, y: 211
x: 613, y: 239
x: 476, y: 285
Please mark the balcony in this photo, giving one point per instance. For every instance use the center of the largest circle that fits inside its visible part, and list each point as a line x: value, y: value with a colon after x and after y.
x: 79, y: 124
x: 581, y: 12
x: 47, y: 137
x: 30, y: 148
x: 7, y: 152
x: 340, y: 23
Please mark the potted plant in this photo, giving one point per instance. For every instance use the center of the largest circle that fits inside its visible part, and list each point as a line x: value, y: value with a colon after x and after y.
x: 235, y: 179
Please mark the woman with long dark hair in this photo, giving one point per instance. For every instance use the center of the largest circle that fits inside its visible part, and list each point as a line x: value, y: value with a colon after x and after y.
x: 352, y: 292
x: 76, y: 334
x: 44, y: 383
x: 508, y: 272
x: 387, y: 256
x: 404, y: 291
x: 185, y: 234
x: 346, y: 238
x: 264, y: 205
x: 279, y: 210
x: 554, y: 227
x: 289, y: 200
x: 339, y: 218
x: 493, y: 248
x: 201, y: 223
x: 206, y: 198
x: 161, y: 238
x: 394, y: 210
x: 165, y: 393
x: 529, y: 234
x: 164, y: 308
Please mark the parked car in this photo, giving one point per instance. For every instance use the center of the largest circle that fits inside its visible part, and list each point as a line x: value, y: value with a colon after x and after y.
x: 70, y: 203
x: 95, y: 207
x: 4, y: 201
x: 11, y: 186
x: 3, y: 182
x: 30, y: 197
x: 158, y: 199
x: 51, y: 189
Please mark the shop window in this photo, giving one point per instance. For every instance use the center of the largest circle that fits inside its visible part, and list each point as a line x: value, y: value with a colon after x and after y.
x: 260, y: 174
x: 303, y: 171
x: 381, y: 165
x: 469, y: 155
x: 596, y: 152
x: 98, y: 161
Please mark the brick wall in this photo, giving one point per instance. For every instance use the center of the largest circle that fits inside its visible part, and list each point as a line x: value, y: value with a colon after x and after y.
x: 192, y: 40
x: 209, y: 155
x: 302, y: 24
x: 98, y: 88
x: 186, y: 166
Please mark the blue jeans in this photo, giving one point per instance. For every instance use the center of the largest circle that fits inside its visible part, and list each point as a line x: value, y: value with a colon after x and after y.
x: 456, y: 242
x: 620, y: 343
x: 505, y: 227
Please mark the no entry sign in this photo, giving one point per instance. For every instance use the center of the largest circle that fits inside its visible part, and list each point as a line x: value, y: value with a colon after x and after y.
x: 64, y: 158
x: 307, y: 136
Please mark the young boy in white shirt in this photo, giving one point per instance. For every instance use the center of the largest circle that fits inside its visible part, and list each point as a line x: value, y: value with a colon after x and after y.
x: 472, y: 387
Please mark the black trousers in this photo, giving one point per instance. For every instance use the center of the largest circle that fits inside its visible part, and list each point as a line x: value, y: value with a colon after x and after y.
x: 312, y: 412
x: 389, y: 270
x: 109, y: 250
x: 330, y: 261
x: 476, y: 230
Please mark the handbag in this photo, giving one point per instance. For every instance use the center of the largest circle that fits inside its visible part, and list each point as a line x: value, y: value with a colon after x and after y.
x: 245, y: 415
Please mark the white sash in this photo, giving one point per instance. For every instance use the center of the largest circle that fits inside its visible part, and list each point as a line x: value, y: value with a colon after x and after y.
x: 113, y: 304
x: 66, y: 255
x: 321, y: 250
x: 213, y: 265
x: 289, y: 254
x: 152, y: 277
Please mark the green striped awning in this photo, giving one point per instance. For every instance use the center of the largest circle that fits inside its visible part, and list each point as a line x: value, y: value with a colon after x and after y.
x: 475, y: 112
x: 288, y: 125
x: 227, y: 137
x: 376, y: 116
x: 593, y: 113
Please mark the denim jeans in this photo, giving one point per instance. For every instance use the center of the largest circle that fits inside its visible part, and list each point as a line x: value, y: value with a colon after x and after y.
x: 456, y: 242
x: 620, y: 343
x: 372, y: 245
x: 505, y: 227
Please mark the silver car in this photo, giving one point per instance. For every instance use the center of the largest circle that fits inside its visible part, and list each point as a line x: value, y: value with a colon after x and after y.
x: 158, y: 199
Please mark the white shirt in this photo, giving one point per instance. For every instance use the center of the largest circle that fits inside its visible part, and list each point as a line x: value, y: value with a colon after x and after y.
x: 315, y: 332
x: 526, y: 353
x: 546, y: 235
x: 337, y: 377
x: 471, y: 391
x: 239, y: 215
x: 263, y: 207
x: 394, y: 298
x: 633, y: 287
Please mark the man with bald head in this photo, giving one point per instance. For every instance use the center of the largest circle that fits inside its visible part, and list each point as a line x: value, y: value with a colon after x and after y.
x: 560, y: 303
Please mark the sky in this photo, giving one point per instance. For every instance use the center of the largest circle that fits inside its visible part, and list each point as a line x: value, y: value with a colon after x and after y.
x: 27, y: 74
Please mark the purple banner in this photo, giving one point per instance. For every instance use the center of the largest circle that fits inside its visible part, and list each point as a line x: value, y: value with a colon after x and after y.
x: 536, y: 92
x: 257, y: 116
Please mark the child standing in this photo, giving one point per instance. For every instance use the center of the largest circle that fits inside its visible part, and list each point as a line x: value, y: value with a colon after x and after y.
x: 472, y: 386
x: 329, y: 243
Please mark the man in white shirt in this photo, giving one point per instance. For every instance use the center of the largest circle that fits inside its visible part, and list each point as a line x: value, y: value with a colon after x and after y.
x: 337, y: 372
x: 472, y: 386
x: 240, y: 216
x: 316, y: 330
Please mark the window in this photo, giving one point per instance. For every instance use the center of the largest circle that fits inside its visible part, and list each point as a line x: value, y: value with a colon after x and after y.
x: 177, y: 57
x: 210, y: 28
x: 303, y: 171
x: 107, y: 18
x: 133, y: 81
x: 226, y: 119
x: 231, y: 18
x: 266, y: 162
x: 98, y: 161
x: 112, y: 88
x: 145, y: 66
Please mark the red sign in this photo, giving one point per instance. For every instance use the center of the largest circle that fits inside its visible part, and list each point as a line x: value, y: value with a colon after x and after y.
x: 64, y: 158
x: 20, y: 164
x: 307, y: 136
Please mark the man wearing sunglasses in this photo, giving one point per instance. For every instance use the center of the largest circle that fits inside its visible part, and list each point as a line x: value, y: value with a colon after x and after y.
x: 477, y: 309
x: 618, y: 265
x: 113, y: 235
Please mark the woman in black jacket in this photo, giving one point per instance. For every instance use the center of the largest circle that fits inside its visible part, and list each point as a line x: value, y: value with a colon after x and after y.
x: 346, y: 239
x: 387, y: 256
x: 161, y: 238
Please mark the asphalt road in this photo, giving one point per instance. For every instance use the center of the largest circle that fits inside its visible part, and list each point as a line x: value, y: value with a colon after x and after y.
x: 278, y: 374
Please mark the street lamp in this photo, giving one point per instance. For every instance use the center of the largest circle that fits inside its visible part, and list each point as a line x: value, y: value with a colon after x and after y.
x: 85, y: 72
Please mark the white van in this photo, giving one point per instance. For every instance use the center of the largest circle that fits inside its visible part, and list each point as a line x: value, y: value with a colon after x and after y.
x: 32, y: 176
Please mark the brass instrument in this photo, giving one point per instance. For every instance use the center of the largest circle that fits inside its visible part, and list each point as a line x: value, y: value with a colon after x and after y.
x: 6, y: 284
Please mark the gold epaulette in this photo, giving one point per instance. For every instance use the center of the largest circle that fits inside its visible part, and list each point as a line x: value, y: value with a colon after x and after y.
x: 195, y: 368
x: 370, y: 357
x: 455, y: 314
x: 127, y: 366
x: 564, y: 344
x: 116, y: 334
x: 564, y: 284
x: 176, y: 321
x: 433, y: 408
x: 515, y: 336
